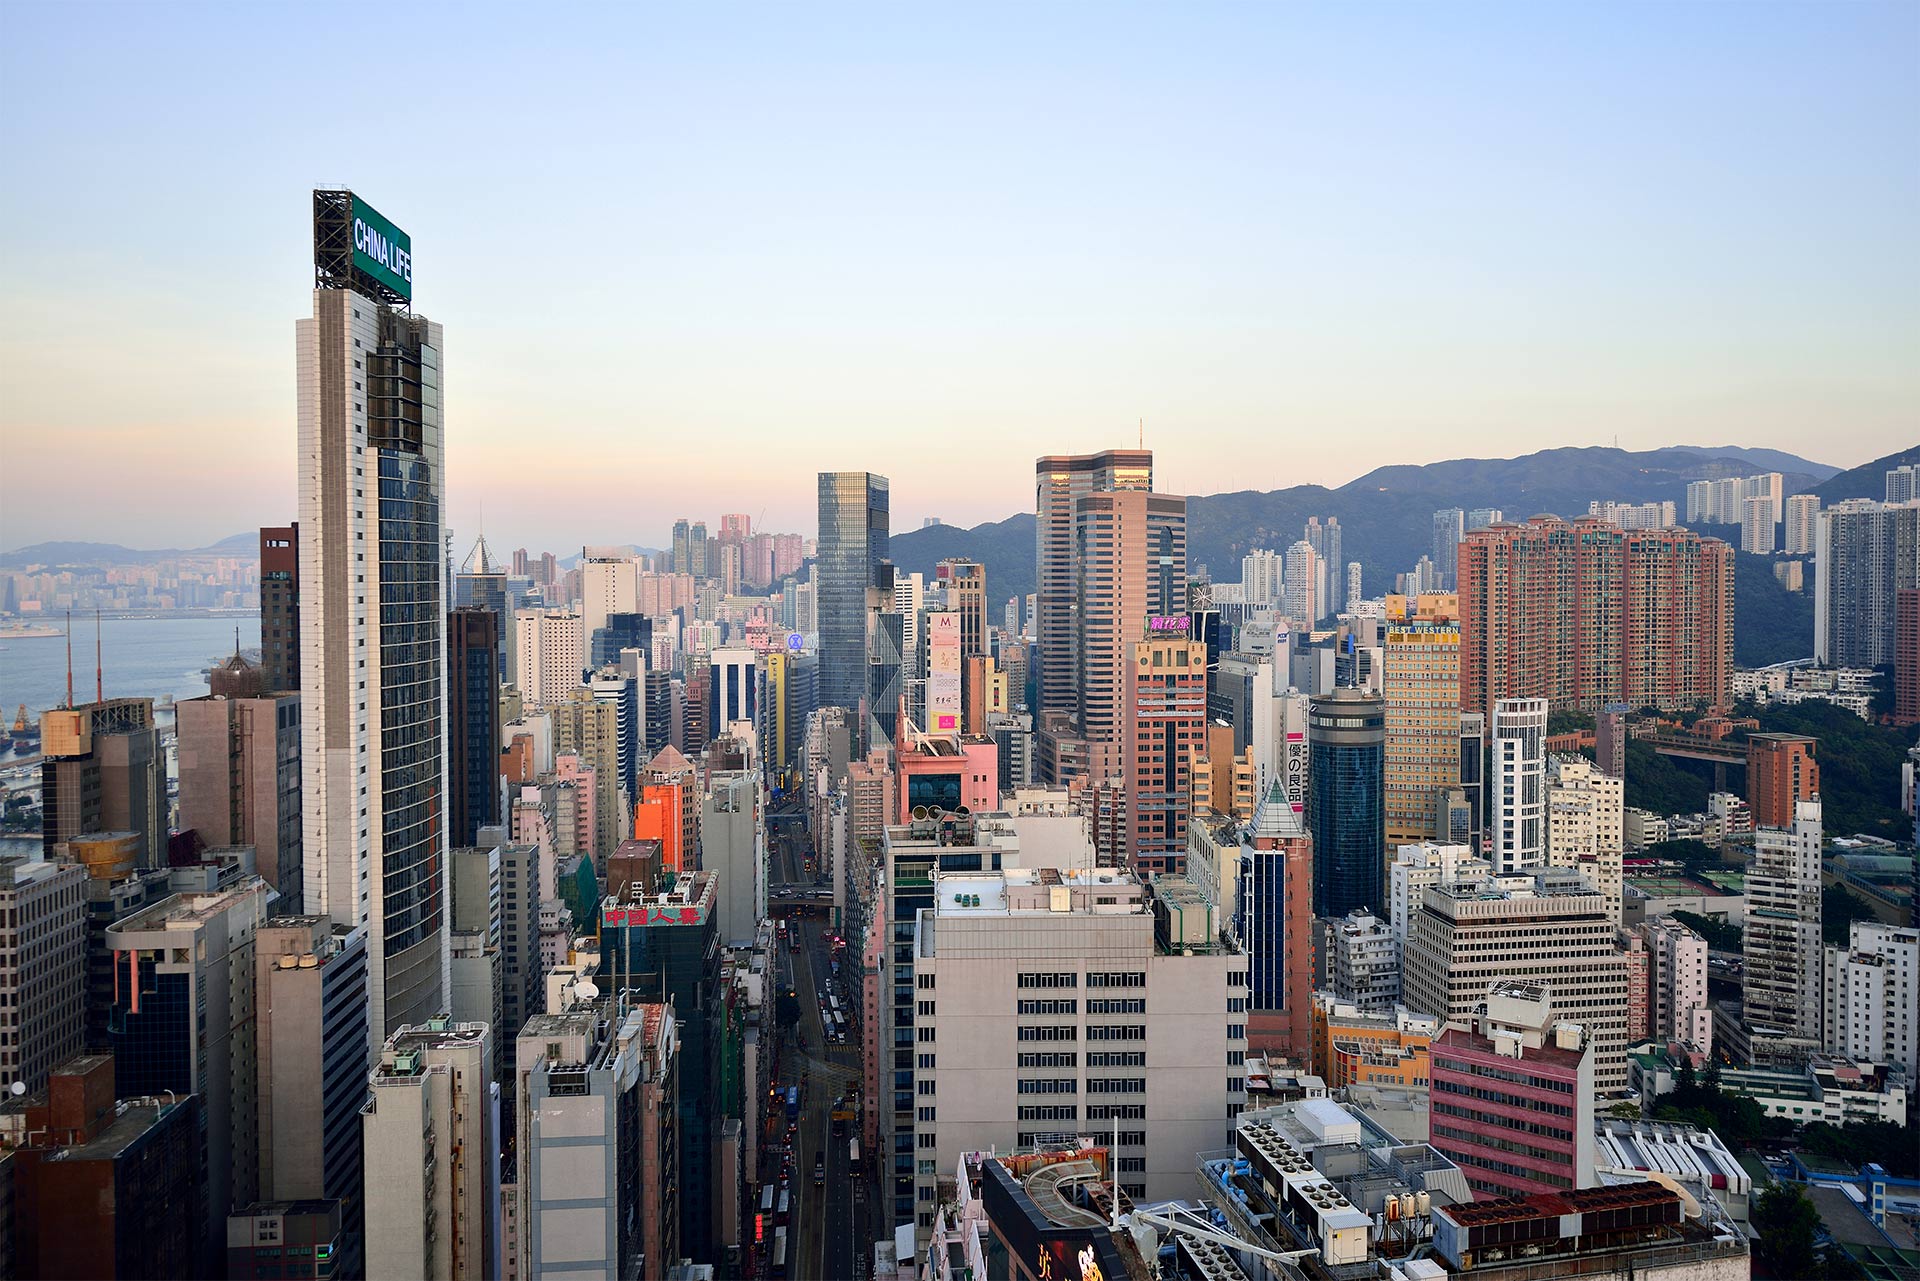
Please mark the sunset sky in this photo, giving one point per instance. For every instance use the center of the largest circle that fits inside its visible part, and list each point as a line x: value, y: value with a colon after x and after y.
x: 687, y: 256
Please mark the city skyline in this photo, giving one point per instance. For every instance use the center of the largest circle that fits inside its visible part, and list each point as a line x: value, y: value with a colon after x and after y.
x: 1051, y: 238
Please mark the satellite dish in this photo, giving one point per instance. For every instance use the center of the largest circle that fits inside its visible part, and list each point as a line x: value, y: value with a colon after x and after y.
x: 19, y: 1088
x: 586, y: 990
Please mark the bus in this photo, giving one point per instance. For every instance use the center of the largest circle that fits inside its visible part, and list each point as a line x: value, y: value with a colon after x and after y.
x: 766, y: 1201
x: 853, y: 1156
x: 793, y: 1103
x: 777, y: 1258
x: 786, y: 1203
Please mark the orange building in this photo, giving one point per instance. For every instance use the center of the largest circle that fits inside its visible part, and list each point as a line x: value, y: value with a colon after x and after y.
x: 1584, y: 613
x: 1781, y: 772
x: 1352, y: 1047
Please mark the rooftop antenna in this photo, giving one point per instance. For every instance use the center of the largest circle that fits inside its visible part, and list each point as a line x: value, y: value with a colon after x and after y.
x: 1143, y: 433
x: 69, y: 658
x: 99, y: 670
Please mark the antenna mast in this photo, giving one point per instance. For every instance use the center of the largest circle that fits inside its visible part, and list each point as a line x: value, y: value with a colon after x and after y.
x: 69, y: 659
x: 99, y: 670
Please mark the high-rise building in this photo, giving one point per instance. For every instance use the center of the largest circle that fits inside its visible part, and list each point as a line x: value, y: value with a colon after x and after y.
x: 1346, y: 799
x: 433, y: 1153
x: 1517, y: 785
x: 1016, y: 970
x: 1802, y: 524
x: 43, y: 947
x: 853, y: 543
x: 240, y: 780
x: 1512, y: 1099
x: 1757, y: 525
x: 1864, y: 554
x: 1167, y: 705
x: 1449, y: 527
x: 1906, y: 656
x: 1782, y: 931
x: 1610, y: 739
x: 1415, y: 867
x: 1781, y: 772
x: 1263, y: 577
x: 1483, y: 518
x: 1130, y: 561
x: 1903, y: 483
x: 1586, y: 614
x: 680, y: 557
x: 598, y: 1143
x: 909, y: 601
x: 1325, y: 541
x: 374, y: 844
x: 1466, y: 935
x: 966, y: 584
x: 1420, y: 680
x: 699, y: 554
x: 665, y: 947
x: 1364, y: 968
x: 549, y: 655
x: 1634, y: 515
x: 280, y: 606
x: 1870, y: 1013
x: 1300, y: 592
x: 1585, y: 815
x: 311, y: 1049
x: 183, y: 1021
x: 1059, y: 481
x: 473, y: 721
x: 102, y: 770
x: 589, y: 728
x: 733, y: 846
x: 1678, y: 1008
x: 105, y: 1190
x: 481, y: 582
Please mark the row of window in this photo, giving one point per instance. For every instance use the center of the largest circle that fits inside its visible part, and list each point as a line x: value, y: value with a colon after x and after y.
x: 1118, y: 1005
x: 1050, y: 980
x: 1042, y: 1005
x: 1129, y: 978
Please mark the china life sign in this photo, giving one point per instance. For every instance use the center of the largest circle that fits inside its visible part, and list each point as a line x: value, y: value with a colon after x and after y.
x: 382, y: 250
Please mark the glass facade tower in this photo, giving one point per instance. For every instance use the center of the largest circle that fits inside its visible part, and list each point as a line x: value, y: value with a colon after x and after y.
x: 853, y: 543
x: 1346, y: 800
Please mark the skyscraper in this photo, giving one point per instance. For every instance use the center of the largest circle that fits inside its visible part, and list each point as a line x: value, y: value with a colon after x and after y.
x: 1449, y: 527
x: 1346, y: 741
x: 1802, y: 524
x: 280, y: 606
x: 43, y: 953
x: 1300, y: 596
x: 1781, y: 941
x: 1273, y: 910
x: 854, y: 519
x: 1420, y: 679
x: 1517, y: 779
x: 1781, y: 772
x: 1167, y: 702
x: 473, y: 721
x: 1865, y: 553
x: 1130, y: 559
x: 371, y: 529
x: 239, y: 766
x: 1060, y: 479
x: 1325, y: 541
x: 1584, y: 613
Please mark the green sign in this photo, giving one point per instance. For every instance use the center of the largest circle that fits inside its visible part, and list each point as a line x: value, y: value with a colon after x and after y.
x: 382, y: 250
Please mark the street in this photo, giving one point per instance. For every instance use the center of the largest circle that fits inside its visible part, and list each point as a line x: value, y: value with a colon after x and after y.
x: 827, y: 1239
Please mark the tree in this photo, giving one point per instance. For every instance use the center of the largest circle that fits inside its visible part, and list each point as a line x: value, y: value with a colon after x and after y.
x: 1840, y: 907
x: 1686, y: 851
x: 1886, y: 1142
x: 1787, y: 1225
x: 1721, y: 936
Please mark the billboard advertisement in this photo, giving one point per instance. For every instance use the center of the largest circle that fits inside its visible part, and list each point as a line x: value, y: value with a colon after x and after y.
x: 381, y: 249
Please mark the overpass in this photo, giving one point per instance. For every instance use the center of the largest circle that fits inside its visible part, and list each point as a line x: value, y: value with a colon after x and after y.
x: 1718, y: 753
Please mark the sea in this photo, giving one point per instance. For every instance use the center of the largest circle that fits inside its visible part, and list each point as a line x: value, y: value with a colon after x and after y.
x: 149, y: 657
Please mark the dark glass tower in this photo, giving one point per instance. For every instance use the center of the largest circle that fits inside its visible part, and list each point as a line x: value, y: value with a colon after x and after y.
x: 1346, y: 800
x: 473, y: 721
x: 853, y: 543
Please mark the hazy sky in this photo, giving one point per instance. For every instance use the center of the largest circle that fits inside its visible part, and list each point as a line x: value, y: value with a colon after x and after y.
x: 687, y: 256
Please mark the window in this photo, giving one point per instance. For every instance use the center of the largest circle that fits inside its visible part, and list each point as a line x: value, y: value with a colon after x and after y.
x: 1118, y: 1032
x: 1117, y: 1058
x: 1049, y: 1006
x: 1049, y: 1032
x: 1118, y: 1005
x: 927, y: 1113
x: 1117, y: 1085
x: 1133, y: 1138
x: 1048, y: 1085
x: 1048, y: 980
x: 1049, y: 1112
x: 1133, y: 1165
x: 1236, y: 1005
x: 926, y: 1009
x: 1049, y: 1058
x: 926, y: 1061
x: 926, y: 1034
x: 1133, y: 978
x: 926, y: 982
x: 926, y: 1139
x: 1121, y: 1111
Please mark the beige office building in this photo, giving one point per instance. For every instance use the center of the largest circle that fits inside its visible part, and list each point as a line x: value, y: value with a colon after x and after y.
x: 1420, y: 678
x: 312, y: 1046
x: 1555, y: 933
x: 432, y: 1154
x: 1061, y: 1002
x: 1585, y: 826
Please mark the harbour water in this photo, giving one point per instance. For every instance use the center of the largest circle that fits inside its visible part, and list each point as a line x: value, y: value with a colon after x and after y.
x: 142, y: 658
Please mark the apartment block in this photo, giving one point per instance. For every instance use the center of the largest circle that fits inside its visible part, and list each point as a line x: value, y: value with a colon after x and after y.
x: 1352, y: 1046
x: 1585, y: 826
x: 43, y: 953
x: 1872, y: 996
x: 1365, y: 965
x: 1782, y: 944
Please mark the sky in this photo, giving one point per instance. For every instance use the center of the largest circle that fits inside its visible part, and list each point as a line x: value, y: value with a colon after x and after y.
x: 688, y: 255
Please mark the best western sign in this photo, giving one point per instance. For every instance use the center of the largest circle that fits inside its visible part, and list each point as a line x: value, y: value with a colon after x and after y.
x: 382, y: 250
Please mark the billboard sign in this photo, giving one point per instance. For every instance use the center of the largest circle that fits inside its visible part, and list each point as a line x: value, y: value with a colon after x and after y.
x: 1164, y: 623
x: 382, y: 250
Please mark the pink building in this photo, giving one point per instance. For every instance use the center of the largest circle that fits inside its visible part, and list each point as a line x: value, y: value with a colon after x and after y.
x: 946, y: 773
x: 1512, y: 1100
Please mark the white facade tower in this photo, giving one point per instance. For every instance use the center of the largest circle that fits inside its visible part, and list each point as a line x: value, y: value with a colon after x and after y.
x: 373, y: 643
